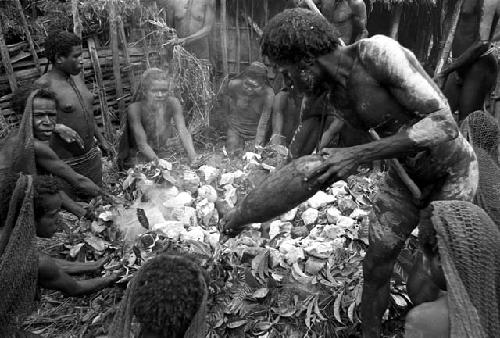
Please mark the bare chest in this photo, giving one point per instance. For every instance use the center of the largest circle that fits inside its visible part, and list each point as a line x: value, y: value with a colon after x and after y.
x: 187, y: 10
x: 156, y: 122
x: 367, y: 104
x: 337, y: 12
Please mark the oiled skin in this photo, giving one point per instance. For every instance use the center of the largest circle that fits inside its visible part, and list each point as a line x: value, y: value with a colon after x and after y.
x: 376, y: 83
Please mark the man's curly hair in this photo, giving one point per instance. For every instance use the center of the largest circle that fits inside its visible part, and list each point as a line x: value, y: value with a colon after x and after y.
x: 21, y: 95
x: 60, y: 42
x: 298, y: 34
x: 169, y: 292
x: 44, y: 185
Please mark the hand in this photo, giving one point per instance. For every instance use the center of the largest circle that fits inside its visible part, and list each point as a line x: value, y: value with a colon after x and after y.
x: 89, y: 188
x: 339, y: 164
x: 228, y: 224
x: 196, y: 162
x: 106, y: 148
x: 277, y: 139
x: 68, y: 134
x: 112, y: 278
x: 90, y: 215
x: 179, y: 41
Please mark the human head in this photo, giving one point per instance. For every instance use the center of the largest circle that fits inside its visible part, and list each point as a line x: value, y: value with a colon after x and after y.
x: 154, y: 86
x: 64, y: 51
x: 294, y: 39
x: 44, y: 110
x: 254, y: 77
x: 169, y: 291
x: 47, y: 204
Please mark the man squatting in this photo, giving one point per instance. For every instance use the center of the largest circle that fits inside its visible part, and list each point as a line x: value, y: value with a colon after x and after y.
x: 376, y: 83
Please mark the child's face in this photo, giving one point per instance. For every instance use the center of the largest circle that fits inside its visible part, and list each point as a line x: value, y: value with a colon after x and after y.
x: 46, y: 224
x: 158, y: 91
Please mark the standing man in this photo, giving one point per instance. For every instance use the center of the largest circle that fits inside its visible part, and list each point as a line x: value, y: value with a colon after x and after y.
x: 471, y: 76
x: 375, y: 83
x: 193, y: 21
x: 347, y: 16
x: 74, y: 107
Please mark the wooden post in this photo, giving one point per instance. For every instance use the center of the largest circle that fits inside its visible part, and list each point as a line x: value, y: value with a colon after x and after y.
x: 443, y: 56
x: 266, y: 12
x: 223, y: 28
x: 116, y: 56
x: 28, y: 35
x: 396, y: 19
x: 123, y: 39
x: 145, y: 47
x: 238, y: 38
x: 94, y: 59
x: 6, y: 58
x: 249, y: 40
x: 77, y: 23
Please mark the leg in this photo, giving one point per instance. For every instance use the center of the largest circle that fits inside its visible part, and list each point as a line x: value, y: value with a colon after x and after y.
x: 397, y: 217
x: 306, y: 135
x: 479, y: 81
x: 233, y: 140
x: 452, y: 89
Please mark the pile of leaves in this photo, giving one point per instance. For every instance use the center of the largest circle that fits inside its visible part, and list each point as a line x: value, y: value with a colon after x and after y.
x: 299, y: 274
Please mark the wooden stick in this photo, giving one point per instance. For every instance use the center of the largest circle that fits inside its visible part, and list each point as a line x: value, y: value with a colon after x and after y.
x: 6, y: 58
x: 443, y: 56
x: 249, y: 40
x: 403, y: 175
x: 266, y: 12
x: 108, y: 131
x: 252, y: 24
x: 28, y: 35
x: 116, y: 54
x: 238, y: 38
x: 77, y: 23
x: 312, y: 6
x: 396, y: 19
x: 223, y: 27
x: 145, y: 47
x: 123, y: 39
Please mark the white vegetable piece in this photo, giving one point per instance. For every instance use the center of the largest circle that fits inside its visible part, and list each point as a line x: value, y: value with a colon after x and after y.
x: 310, y: 216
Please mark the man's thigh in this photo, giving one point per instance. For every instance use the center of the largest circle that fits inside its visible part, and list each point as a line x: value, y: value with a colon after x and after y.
x: 396, y: 214
x: 233, y: 139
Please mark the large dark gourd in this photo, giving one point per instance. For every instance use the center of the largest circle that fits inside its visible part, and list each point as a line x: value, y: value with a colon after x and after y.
x: 281, y: 191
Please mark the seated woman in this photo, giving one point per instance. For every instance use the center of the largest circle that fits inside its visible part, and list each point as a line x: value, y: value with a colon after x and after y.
x: 42, y: 108
x: 250, y: 104
x: 461, y: 254
x: 29, y: 207
x: 151, y: 119
x: 168, y: 297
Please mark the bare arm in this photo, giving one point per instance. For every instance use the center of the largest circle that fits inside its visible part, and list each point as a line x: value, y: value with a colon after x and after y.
x: 135, y: 124
x: 359, y: 30
x: 399, y: 71
x: 69, y: 205
x: 51, y: 277
x: 180, y: 124
x: 208, y: 24
x: 264, y: 117
x: 76, y: 267
x: 47, y: 159
x: 479, y: 47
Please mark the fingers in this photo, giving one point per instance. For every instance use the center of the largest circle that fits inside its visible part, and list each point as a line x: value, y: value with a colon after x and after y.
x: 316, y: 172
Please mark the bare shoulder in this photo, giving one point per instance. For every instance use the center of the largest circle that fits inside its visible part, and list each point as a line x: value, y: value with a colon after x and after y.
x: 134, y: 109
x: 269, y: 92
x: 384, y: 57
x: 44, y: 80
x: 357, y: 5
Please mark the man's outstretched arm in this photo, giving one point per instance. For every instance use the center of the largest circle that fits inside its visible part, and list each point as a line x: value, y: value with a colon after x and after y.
x: 180, y: 124
x: 264, y: 117
x: 399, y: 71
x: 135, y: 123
x: 51, y: 277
